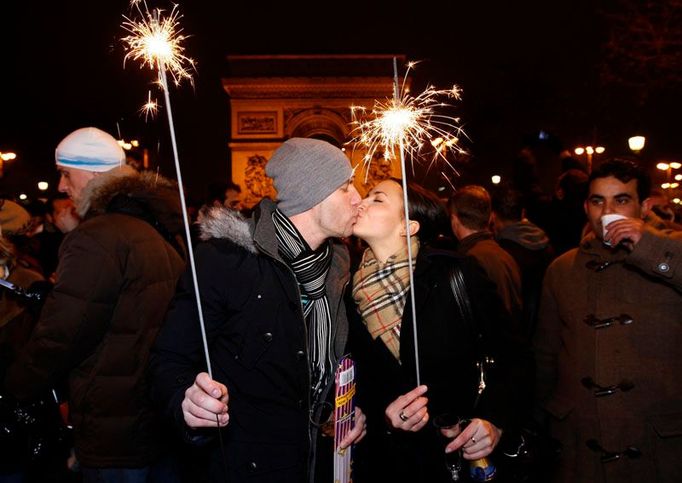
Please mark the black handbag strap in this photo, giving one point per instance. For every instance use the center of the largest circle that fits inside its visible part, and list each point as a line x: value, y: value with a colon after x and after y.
x: 462, y: 298
x: 464, y: 304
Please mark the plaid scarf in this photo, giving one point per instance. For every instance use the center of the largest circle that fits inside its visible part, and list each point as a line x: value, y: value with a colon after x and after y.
x: 380, y: 292
x: 311, y: 269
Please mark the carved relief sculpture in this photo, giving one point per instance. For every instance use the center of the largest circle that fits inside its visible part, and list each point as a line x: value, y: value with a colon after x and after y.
x: 257, y: 122
x: 258, y: 185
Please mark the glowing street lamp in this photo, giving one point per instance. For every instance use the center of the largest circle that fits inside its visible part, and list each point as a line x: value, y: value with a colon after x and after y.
x: 590, y: 151
x: 636, y: 143
x: 9, y: 156
x: 42, y: 185
x: 496, y: 179
x: 668, y: 168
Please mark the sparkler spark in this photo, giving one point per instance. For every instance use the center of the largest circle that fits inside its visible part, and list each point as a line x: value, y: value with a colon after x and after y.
x: 150, y: 108
x: 156, y: 41
x: 416, y: 124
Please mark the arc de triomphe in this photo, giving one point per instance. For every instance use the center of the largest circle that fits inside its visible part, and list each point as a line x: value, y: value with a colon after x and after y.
x: 273, y: 98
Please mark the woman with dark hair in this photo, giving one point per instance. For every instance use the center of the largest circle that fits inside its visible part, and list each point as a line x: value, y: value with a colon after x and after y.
x: 402, y: 445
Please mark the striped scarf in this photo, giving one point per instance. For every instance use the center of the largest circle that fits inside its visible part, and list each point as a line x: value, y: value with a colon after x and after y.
x: 311, y: 269
x: 380, y: 292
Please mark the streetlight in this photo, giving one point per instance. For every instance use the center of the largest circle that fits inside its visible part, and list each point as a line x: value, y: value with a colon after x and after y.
x: 42, y: 185
x: 496, y: 179
x: 668, y: 168
x: 589, y: 151
x: 9, y: 156
x: 636, y: 143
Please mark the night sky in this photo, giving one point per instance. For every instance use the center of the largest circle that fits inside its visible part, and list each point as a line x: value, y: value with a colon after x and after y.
x: 523, y: 66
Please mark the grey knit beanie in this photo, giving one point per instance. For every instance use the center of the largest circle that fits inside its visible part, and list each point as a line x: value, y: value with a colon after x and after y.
x: 306, y: 171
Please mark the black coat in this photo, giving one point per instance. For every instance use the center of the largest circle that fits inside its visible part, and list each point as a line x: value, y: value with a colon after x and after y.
x: 257, y: 345
x: 448, y: 351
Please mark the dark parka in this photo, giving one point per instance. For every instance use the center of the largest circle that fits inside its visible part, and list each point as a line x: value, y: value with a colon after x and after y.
x: 500, y: 267
x: 612, y: 317
x: 257, y: 345
x: 115, y: 279
x: 449, y: 348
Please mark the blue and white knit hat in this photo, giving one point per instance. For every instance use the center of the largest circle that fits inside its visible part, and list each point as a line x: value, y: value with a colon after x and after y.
x: 90, y: 149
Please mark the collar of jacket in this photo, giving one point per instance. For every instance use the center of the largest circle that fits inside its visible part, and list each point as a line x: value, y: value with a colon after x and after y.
x: 257, y: 235
x: 154, y: 194
x: 466, y: 243
x: 593, y: 247
x: 97, y: 193
x: 264, y: 233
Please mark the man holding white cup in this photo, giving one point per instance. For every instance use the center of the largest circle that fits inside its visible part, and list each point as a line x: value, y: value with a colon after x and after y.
x: 608, y: 340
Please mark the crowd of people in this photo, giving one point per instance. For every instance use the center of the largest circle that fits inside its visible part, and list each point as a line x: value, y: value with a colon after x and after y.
x: 492, y: 336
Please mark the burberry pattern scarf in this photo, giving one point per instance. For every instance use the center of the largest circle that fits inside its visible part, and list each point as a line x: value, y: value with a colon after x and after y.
x: 380, y: 292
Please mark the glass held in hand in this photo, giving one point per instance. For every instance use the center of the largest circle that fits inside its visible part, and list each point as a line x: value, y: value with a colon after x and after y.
x: 453, y: 461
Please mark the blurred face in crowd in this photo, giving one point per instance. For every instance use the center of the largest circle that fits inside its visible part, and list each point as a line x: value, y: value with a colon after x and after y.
x: 611, y: 196
x: 233, y: 199
x: 73, y: 180
x: 337, y: 213
x: 380, y: 216
x: 64, y: 215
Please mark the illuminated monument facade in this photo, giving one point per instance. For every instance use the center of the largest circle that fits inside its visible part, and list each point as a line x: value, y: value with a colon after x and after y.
x: 274, y: 98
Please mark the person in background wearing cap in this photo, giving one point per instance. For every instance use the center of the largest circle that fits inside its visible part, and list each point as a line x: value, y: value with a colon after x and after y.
x: 117, y: 273
x: 272, y: 289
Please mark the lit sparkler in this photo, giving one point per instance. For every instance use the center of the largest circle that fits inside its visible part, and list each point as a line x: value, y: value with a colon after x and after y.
x: 150, y: 108
x: 421, y: 125
x: 155, y: 41
x: 410, y: 125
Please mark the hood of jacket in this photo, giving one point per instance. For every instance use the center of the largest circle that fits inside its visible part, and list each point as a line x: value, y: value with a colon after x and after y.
x: 525, y: 234
x: 145, y: 195
x: 224, y: 223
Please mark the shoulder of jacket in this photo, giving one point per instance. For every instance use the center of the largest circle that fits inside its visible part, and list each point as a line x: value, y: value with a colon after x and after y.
x: 223, y: 223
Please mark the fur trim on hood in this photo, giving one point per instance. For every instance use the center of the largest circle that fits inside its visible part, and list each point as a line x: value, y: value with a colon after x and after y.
x: 98, y: 192
x: 220, y: 222
x: 158, y: 195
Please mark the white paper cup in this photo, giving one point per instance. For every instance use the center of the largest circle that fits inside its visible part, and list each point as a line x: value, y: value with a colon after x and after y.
x: 605, y: 220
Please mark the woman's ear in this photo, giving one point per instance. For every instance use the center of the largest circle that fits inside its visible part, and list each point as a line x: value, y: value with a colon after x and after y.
x: 414, y: 228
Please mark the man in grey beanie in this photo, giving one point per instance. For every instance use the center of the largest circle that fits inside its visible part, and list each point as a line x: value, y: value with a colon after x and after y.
x: 272, y: 290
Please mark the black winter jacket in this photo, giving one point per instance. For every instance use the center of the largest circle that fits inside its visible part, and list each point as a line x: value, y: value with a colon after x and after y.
x: 257, y: 346
x: 448, y: 351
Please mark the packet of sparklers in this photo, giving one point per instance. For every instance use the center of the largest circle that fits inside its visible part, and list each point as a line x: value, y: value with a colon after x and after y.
x: 344, y: 418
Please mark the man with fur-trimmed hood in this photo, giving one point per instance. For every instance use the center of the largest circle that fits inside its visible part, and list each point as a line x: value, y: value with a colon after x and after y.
x: 117, y: 273
x: 272, y: 295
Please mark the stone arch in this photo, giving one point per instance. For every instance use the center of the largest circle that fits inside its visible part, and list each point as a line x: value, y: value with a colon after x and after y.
x: 325, y: 124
